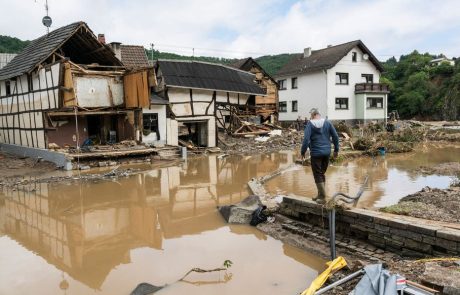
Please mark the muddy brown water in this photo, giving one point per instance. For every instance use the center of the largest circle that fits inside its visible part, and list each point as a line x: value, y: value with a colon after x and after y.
x: 105, y: 237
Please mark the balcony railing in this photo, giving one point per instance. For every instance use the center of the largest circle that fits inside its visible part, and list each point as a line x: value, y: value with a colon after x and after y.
x: 371, y: 88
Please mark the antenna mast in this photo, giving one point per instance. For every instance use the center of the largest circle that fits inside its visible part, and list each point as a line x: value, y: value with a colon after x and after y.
x: 47, y: 21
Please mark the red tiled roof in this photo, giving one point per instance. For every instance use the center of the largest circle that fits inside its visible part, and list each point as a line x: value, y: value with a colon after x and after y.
x: 133, y: 56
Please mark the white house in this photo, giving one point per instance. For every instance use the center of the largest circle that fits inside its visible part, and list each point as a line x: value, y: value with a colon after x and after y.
x: 342, y: 81
x: 443, y: 59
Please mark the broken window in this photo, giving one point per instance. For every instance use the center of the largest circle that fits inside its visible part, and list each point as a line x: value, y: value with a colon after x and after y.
x: 150, y: 124
x: 294, y: 106
x: 368, y: 78
x: 341, y: 78
x: 282, y: 106
x: 341, y: 103
x: 294, y: 83
x: 354, y: 57
x: 282, y: 84
x: 375, y: 102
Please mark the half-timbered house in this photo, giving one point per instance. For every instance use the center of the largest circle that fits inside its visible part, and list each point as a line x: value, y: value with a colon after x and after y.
x: 66, y: 89
x: 202, y: 98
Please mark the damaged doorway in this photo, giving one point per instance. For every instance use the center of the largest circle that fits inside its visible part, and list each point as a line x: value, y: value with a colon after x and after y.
x: 195, y: 132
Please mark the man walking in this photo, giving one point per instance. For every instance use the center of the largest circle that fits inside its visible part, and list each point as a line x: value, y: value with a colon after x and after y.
x: 317, y: 136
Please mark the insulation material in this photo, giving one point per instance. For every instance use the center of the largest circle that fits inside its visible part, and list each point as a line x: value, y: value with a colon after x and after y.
x: 98, y: 91
x: 136, y: 88
x: 68, y: 93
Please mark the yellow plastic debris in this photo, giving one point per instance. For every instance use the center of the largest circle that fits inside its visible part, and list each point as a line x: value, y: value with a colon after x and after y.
x: 333, y: 267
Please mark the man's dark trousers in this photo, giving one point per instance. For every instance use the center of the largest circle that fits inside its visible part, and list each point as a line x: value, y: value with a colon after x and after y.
x: 319, y: 168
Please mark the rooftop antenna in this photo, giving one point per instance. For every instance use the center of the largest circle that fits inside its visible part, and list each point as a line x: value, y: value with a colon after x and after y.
x: 47, y: 21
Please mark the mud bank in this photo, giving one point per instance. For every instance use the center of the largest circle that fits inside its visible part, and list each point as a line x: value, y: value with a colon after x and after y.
x: 432, y: 204
x: 11, y: 165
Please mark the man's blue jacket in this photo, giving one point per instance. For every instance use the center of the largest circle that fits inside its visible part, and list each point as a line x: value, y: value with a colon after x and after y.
x: 317, y: 136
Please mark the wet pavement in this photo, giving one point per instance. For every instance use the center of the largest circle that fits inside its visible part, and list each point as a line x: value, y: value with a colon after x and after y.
x: 106, y: 236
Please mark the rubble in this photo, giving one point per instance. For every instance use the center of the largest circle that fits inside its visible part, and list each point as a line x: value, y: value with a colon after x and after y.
x: 240, y: 213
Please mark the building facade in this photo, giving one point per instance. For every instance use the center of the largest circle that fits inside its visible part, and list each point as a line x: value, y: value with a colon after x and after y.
x: 342, y: 81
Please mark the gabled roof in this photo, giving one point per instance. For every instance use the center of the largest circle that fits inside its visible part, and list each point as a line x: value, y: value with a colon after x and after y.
x: 75, y: 41
x: 325, y: 58
x: 133, y: 56
x: 202, y: 75
x: 247, y: 63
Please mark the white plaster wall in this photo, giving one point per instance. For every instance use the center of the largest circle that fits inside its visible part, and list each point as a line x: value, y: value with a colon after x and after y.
x: 172, y: 131
x: 93, y: 91
x: 354, y: 70
x: 310, y: 93
x: 161, y: 111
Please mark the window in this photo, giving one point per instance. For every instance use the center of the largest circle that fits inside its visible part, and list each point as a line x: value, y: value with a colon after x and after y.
x: 150, y: 124
x: 294, y: 106
x: 8, y: 88
x: 341, y: 78
x: 30, y: 82
x: 282, y: 84
x: 294, y: 83
x: 282, y: 107
x: 375, y: 102
x: 341, y: 103
x: 354, y: 57
x: 368, y: 78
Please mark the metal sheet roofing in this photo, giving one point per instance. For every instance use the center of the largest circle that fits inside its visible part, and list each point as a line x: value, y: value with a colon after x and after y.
x: 192, y: 74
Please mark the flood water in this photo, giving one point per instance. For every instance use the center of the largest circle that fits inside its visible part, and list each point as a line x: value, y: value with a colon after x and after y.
x: 391, y: 177
x: 105, y: 237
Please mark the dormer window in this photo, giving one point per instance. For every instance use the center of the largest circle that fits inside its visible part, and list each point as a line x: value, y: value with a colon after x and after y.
x: 354, y: 56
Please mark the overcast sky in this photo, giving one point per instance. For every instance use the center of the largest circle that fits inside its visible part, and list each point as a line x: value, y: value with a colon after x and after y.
x: 238, y: 28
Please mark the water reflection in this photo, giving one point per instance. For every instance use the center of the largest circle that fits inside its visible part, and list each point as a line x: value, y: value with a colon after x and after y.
x: 89, y: 228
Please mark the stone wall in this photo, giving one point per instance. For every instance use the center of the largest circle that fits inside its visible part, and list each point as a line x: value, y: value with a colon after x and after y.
x: 404, y: 235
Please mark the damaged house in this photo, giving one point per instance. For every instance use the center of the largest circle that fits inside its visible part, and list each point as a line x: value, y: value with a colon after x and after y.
x: 67, y: 89
x: 266, y: 106
x: 200, y: 98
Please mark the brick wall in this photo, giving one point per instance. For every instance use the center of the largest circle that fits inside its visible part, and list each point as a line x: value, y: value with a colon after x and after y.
x: 404, y: 235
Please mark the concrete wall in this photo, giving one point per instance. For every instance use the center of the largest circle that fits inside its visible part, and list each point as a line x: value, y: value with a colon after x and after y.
x: 354, y: 70
x: 404, y: 235
x: 311, y: 93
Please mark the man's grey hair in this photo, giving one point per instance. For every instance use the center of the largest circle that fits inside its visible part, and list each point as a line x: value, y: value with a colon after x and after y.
x: 314, y: 112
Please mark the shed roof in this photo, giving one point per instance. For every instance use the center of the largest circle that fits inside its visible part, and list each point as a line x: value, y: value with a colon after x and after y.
x: 325, y: 58
x: 76, y: 42
x: 134, y: 56
x: 193, y: 74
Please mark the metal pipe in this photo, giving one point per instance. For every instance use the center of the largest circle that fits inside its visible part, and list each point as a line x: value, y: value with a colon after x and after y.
x: 332, y: 233
x: 340, y: 282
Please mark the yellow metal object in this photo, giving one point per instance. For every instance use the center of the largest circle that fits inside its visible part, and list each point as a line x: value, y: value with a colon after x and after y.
x: 332, y: 267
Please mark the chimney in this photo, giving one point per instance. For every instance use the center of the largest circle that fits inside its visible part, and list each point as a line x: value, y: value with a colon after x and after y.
x: 116, y: 48
x: 101, y: 38
x: 307, y: 52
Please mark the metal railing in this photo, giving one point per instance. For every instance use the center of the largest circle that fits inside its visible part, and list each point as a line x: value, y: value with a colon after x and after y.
x: 371, y: 87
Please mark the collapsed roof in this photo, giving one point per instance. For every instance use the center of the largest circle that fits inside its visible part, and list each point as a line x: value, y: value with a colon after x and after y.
x: 75, y: 41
